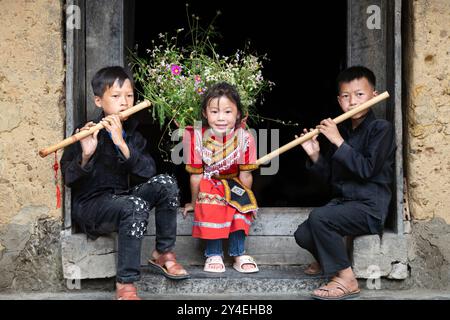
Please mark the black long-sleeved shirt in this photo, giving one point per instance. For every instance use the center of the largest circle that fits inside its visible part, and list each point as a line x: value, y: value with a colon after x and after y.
x: 362, y: 168
x: 107, y: 171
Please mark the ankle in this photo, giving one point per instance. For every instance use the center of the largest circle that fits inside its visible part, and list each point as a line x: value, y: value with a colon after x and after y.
x: 347, y: 275
x: 120, y: 285
x: 155, y: 254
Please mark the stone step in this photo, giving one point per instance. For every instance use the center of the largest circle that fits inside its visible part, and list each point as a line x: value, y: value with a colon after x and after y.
x: 271, y: 242
x: 270, y: 239
x: 265, y: 249
x: 269, y: 280
x: 271, y: 221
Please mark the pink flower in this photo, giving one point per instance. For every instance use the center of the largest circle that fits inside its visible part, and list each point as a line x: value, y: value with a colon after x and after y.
x: 200, y: 91
x: 197, y: 78
x: 176, y: 70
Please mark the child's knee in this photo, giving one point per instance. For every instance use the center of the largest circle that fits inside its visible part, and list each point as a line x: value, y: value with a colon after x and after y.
x: 168, y: 189
x: 316, y: 217
x: 135, y: 217
x: 301, y: 236
x: 164, y: 180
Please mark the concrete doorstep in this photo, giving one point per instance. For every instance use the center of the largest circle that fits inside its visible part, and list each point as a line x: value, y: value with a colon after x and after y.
x: 271, y: 283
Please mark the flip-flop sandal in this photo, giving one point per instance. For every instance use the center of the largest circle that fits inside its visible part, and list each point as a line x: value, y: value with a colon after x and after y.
x: 158, y: 265
x: 241, y: 260
x: 346, y: 293
x: 214, y: 260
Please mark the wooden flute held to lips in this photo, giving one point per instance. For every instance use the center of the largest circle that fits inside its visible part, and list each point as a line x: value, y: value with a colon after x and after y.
x: 82, y: 134
x: 311, y: 134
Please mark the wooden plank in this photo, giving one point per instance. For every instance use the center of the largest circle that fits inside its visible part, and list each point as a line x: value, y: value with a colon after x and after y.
x: 272, y: 250
x: 270, y: 222
x: 366, y: 46
x: 75, y: 88
x: 104, y: 42
x: 398, y: 116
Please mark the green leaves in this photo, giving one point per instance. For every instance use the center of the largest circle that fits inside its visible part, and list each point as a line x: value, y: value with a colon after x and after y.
x: 174, y: 78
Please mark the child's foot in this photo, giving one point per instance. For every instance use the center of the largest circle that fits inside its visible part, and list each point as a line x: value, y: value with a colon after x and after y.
x: 167, y: 264
x: 214, y: 264
x: 126, y: 291
x: 313, y: 269
x: 337, y: 289
x: 245, y: 264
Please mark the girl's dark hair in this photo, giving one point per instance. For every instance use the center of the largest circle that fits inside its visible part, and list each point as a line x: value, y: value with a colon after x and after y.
x: 219, y: 90
x: 105, y: 78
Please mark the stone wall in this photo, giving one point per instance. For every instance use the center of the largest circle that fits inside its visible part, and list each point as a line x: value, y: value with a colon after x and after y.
x: 426, y: 41
x: 427, y: 100
x: 31, y: 117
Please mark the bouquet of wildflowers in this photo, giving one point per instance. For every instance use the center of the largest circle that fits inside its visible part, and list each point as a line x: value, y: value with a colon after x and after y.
x: 174, y: 78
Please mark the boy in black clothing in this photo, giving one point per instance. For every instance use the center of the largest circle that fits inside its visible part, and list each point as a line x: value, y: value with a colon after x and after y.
x: 98, y: 171
x: 360, y: 170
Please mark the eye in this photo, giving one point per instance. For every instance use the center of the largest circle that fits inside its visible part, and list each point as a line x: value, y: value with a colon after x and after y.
x: 115, y: 96
x: 360, y: 94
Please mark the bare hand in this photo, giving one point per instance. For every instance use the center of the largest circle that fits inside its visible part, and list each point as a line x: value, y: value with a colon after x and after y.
x: 311, y: 146
x: 329, y: 129
x: 89, y: 143
x: 189, y: 207
x: 113, y: 125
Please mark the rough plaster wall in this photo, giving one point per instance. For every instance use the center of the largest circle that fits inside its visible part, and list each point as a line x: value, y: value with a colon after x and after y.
x: 31, y: 117
x: 429, y: 254
x: 427, y: 81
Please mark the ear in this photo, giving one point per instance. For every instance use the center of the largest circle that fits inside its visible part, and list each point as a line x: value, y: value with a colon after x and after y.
x: 338, y: 100
x: 98, y: 101
x: 375, y: 93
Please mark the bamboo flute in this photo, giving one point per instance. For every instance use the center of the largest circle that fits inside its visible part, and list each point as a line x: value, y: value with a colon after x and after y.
x: 311, y: 134
x: 82, y: 134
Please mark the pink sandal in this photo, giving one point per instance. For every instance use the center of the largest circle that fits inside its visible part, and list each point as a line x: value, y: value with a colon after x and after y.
x: 241, y: 260
x: 214, y: 260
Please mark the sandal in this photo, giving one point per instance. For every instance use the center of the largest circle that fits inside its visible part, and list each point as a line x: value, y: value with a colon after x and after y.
x: 174, y: 272
x: 336, y: 285
x: 127, y: 292
x: 241, y: 260
x: 214, y: 260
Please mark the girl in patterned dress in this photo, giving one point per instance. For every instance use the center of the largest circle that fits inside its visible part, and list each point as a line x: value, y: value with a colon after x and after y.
x: 219, y: 157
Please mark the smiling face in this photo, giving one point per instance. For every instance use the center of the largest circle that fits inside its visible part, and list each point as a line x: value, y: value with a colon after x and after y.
x: 116, y: 98
x: 221, y: 114
x: 354, y: 93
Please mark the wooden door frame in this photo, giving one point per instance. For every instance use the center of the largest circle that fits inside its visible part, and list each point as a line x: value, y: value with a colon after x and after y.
x: 380, y: 50
x: 81, y: 62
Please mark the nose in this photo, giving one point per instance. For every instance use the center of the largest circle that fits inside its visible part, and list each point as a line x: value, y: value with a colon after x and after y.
x: 352, y: 100
x: 123, y: 101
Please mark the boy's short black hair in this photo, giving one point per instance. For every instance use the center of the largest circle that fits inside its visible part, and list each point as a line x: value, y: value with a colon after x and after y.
x: 219, y: 90
x: 105, y: 78
x: 356, y: 72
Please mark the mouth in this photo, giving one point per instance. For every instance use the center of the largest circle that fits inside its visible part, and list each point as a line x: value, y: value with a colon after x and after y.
x: 221, y: 127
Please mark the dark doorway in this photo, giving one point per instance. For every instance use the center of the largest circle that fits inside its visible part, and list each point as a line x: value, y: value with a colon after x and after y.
x: 306, y: 45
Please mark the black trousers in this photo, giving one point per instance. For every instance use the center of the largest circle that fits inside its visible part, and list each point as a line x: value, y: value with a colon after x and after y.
x: 322, y: 234
x: 128, y: 214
